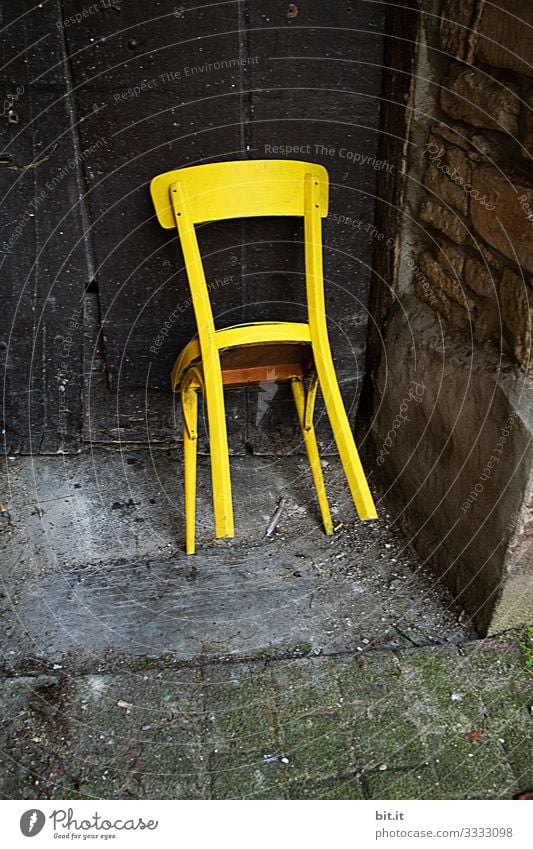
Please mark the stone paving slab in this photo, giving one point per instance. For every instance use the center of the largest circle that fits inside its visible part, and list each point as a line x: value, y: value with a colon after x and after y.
x: 437, y: 722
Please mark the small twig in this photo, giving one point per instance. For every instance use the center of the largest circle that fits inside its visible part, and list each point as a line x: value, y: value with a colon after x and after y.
x: 13, y: 166
x: 272, y: 525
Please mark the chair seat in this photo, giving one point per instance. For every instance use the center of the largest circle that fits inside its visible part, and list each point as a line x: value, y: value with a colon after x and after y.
x: 253, y: 353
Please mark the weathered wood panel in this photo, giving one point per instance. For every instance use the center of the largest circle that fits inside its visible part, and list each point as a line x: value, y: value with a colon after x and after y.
x: 315, y: 94
x: 158, y: 87
x: 164, y: 86
x: 44, y: 259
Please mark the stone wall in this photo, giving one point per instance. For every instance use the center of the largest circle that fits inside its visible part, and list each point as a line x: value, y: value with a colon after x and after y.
x: 459, y: 467
x: 478, y: 178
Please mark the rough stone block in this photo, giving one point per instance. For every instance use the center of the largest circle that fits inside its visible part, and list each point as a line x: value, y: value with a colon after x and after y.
x: 443, y: 219
x: 517, y: 597
x: 527, y: 150
x: 516, y: 303
x: 449, y: 173
x: 458, y: 318
x: 434, y: 298
x: 506, y: 220
x: 454, y: 23
x: 454, y: 133
x: 459, y: 165
x: 487, y: 326
x: 447, y: 190
x: 504, y: 36
x: 527, y: 118
x: 451, y: 258
x: 481, y: 277
x: 487, y: 146
x: 474, y: 97
x: 442, y: 279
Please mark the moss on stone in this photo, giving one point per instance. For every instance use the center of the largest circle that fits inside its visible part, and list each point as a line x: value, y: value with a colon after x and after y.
x: 316, y: 745
x: 471, y: 770
x: 419, y: 783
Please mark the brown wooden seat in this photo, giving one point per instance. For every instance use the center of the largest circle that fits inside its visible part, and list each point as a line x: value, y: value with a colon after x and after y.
x: 252, y: 364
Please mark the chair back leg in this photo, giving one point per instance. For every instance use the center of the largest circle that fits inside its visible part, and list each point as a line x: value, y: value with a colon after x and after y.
x: 305, y: 403
x: 218, y: 448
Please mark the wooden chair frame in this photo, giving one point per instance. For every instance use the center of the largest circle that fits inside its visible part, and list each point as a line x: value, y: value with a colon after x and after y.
x: 189, y: 196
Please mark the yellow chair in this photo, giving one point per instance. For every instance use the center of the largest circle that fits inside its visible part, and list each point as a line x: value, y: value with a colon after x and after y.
x: 251, y: 353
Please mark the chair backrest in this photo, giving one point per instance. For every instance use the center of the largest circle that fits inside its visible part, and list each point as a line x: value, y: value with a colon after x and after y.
x: 222, y: 190
x: 242, y: 189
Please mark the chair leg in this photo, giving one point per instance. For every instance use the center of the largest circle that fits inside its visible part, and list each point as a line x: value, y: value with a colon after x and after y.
x: 220, y: 470
x: 189, y: 406
x: 343, y: 434
x: 304, y: 408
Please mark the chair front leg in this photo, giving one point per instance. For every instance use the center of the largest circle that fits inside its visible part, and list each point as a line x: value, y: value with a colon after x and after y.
x: 304, y: 407
x: 189, y: 407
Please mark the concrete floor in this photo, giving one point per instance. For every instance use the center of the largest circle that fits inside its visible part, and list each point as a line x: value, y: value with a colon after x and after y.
x: 94, y: 562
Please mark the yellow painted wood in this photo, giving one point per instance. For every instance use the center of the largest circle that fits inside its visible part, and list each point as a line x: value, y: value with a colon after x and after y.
x: 310, y: 401
x: 212, y: 375
x: 189, y: 405
x: 322, y: 353
x: 223, y: 190
x: 304, y: 408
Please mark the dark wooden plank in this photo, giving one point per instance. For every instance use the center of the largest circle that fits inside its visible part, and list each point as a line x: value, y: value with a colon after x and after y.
x: 189, y: 49
x: 136, y: 131
x: 149, y: 416
x: 315, y: 95
x: 45, y: 269
x: 159, y: 88
x: 145, y: 300
x: 160, y: 94
x: 115, y: 416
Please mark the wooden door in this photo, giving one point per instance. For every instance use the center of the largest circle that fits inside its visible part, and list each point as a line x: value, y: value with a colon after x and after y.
x: 121, y: 91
